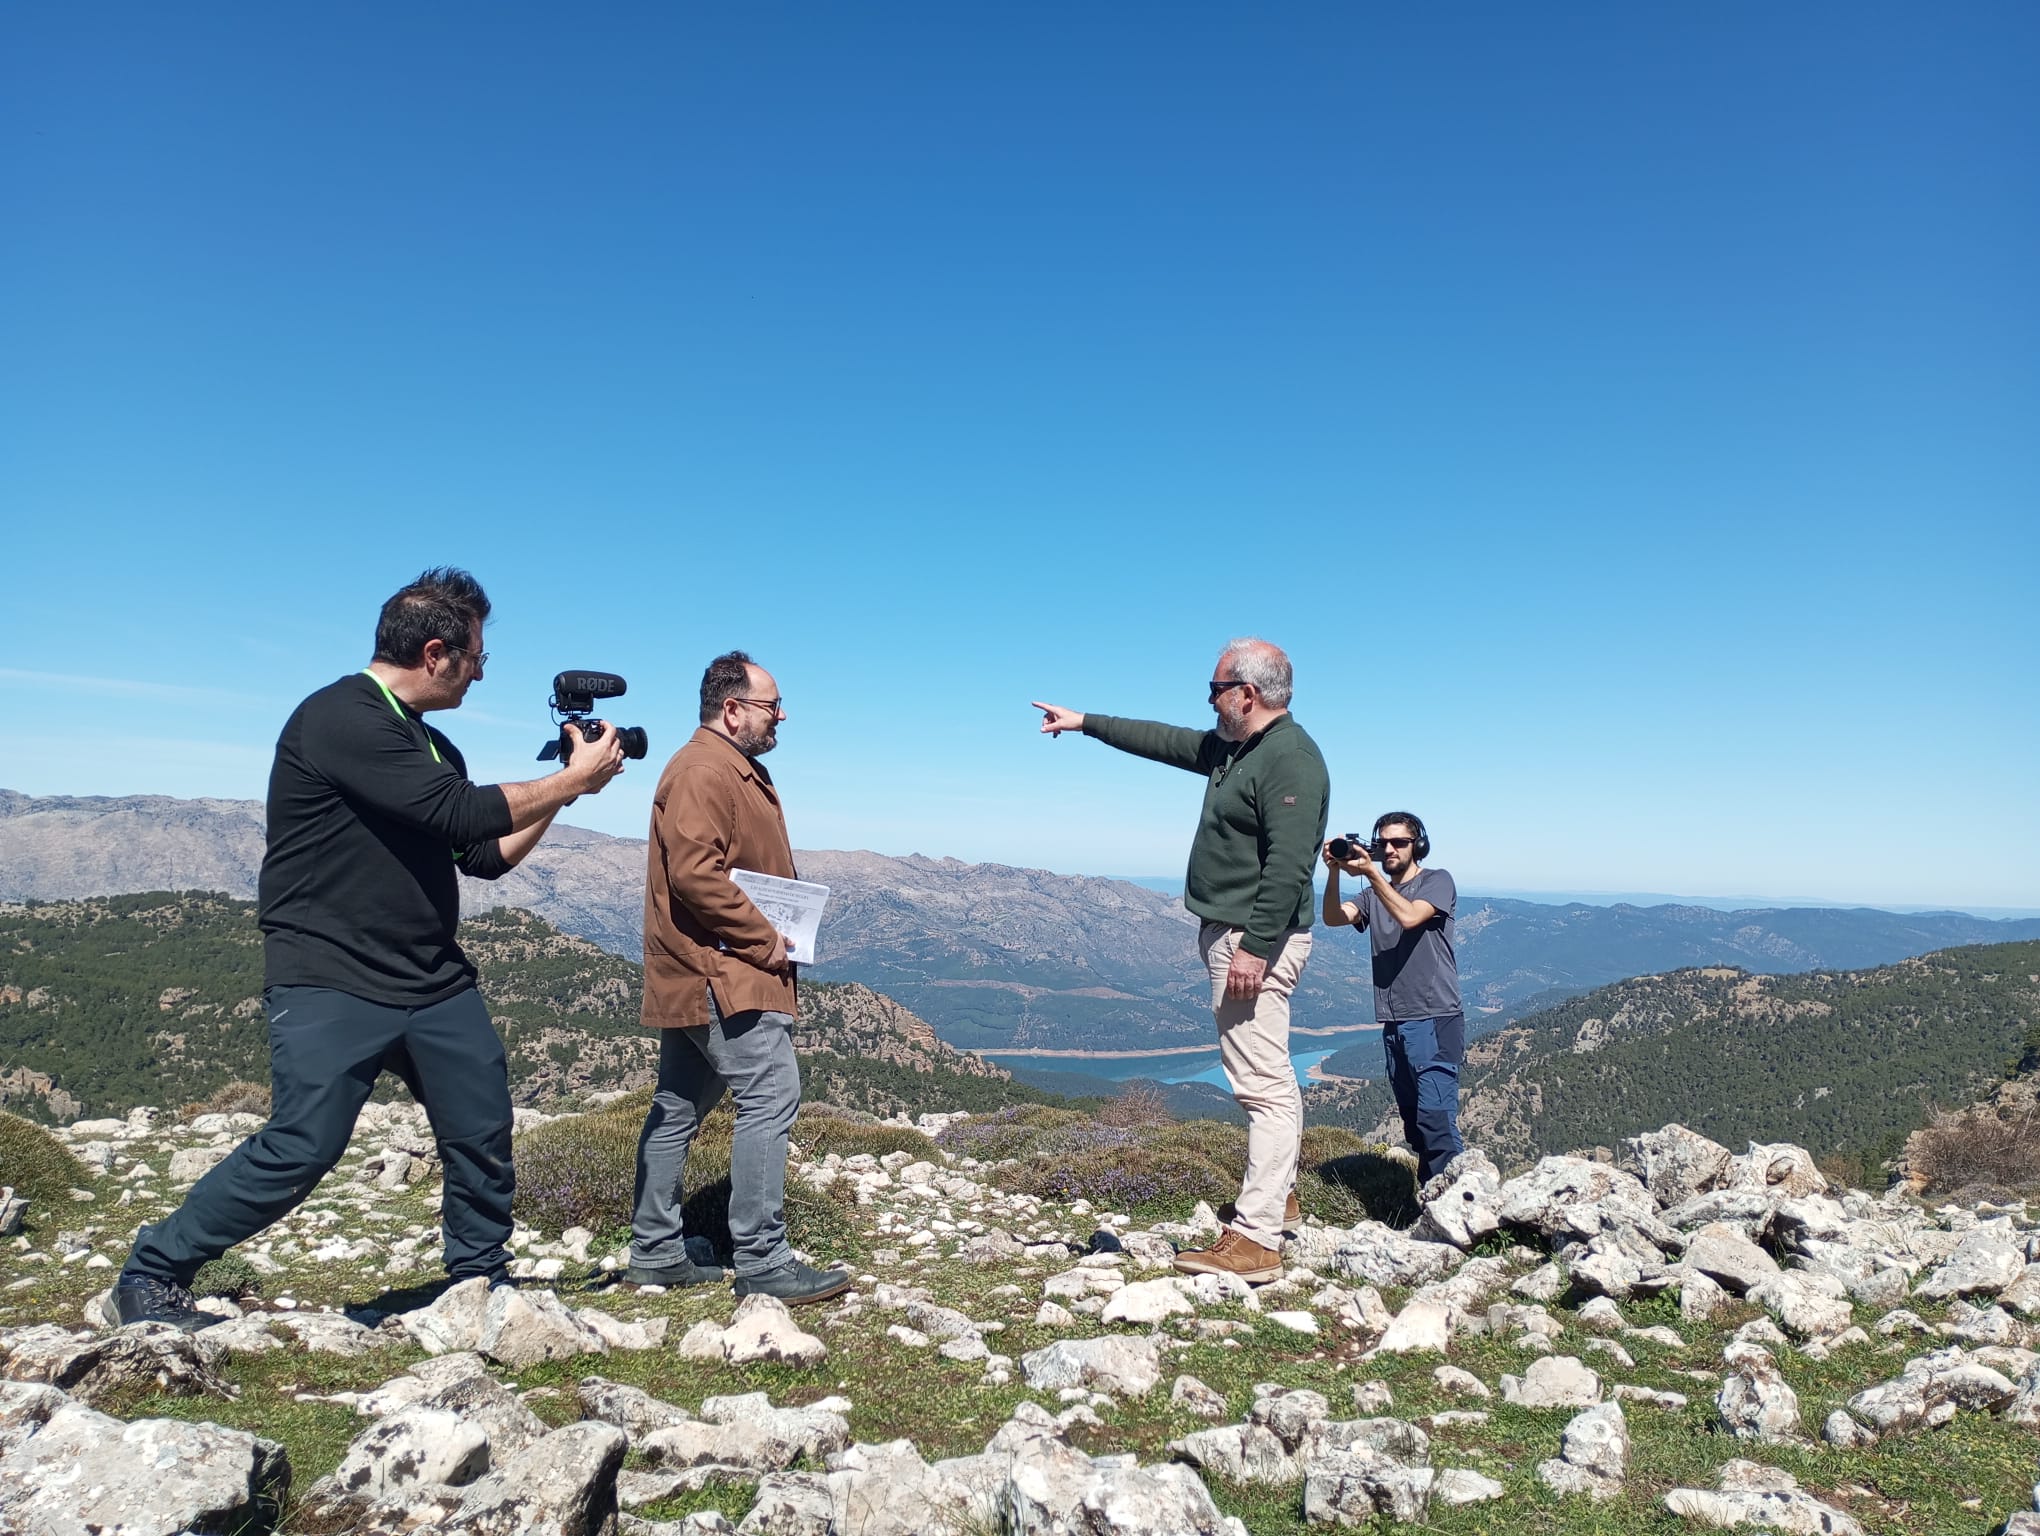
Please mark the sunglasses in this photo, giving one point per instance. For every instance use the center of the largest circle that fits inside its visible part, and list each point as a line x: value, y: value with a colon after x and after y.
x: 1395, y: 842
x: 1218, y: 687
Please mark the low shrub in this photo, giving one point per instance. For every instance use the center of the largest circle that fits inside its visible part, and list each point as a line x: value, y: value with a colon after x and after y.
x: 40, y: 1168
x: 821, y: 1129
x: 1138, y: 1106
x: 1978, y: 1149
x: 581, y: 1170
x: 237, y: 1098
x: 1009, y: 1133
x: 230, y: 1276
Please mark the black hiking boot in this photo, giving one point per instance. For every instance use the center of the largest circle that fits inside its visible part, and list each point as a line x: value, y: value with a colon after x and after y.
x: 145, y: 1299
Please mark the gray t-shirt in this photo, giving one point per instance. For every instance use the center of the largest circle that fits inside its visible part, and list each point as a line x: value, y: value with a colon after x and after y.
x: 1415, y: 974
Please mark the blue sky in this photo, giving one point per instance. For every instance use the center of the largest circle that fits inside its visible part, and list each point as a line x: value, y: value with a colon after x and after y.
x: 1624, y: 415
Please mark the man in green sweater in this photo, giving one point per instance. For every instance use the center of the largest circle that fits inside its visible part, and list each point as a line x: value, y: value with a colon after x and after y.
x: 1266, y: 798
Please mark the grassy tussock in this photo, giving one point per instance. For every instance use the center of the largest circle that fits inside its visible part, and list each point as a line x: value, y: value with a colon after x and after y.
x: 1133, y: 1157
x: 238, y: 1098
x: 39, y: 1167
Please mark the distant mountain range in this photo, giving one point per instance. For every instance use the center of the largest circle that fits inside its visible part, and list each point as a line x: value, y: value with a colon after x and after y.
x: 1842, y: 1062
x: 996, y: 957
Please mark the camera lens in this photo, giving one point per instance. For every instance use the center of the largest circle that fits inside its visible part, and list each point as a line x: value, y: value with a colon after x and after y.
x: 631, y: 738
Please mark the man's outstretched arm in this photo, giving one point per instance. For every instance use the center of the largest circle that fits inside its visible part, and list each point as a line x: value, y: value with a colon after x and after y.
x: 1179, y: 746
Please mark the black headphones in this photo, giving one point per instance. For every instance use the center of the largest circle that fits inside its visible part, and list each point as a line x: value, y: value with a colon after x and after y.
x: 1420, y: 849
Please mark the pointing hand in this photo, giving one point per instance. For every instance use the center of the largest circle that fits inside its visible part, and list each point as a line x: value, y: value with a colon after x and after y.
x: 1055, y: 719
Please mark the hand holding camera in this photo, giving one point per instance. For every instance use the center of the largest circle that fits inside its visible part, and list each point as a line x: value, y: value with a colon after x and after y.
x: 1353, y: 853
x: 592, y: 748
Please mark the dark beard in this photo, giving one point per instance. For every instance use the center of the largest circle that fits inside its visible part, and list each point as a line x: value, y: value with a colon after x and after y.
x: 755, y: 743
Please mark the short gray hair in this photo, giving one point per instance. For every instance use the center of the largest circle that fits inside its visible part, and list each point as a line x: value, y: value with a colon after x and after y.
x: 1263, y: 665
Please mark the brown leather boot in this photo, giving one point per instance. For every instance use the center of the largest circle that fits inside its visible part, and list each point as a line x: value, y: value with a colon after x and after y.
x: 1292, y: 1213
x: 1233, y: 1254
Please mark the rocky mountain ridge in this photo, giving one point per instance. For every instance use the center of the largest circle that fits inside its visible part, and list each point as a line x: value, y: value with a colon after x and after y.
x: 994, y: 956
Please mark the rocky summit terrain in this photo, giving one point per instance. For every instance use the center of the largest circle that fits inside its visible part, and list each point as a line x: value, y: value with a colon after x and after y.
x: 1684, y: 1339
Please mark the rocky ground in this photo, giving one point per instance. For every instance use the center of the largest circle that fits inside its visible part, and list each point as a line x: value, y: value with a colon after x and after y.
x: 1685, y: 1341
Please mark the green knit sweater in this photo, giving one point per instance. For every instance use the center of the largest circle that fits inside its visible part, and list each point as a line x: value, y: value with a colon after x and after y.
x: 1266, y: 801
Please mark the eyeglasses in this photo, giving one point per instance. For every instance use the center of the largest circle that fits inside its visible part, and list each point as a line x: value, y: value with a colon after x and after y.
x: 481, y: 657
x: 772, y: 706
x: 1219, y: 685
x: 1395, y: 842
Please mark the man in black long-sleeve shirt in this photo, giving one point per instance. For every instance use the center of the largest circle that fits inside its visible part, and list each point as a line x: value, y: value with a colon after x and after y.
x: 370, y: 814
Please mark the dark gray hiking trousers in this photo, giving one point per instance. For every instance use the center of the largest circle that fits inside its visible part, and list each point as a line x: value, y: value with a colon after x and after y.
x: 326, y: 1049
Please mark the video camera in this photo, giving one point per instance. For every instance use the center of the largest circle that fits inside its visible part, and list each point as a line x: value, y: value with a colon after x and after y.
x: 1348, y: 846
x: 573, y: 701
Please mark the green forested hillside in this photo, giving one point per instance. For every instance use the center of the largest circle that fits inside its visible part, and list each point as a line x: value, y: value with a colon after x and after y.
x: 1840, y: 1062
x: 156, y: 999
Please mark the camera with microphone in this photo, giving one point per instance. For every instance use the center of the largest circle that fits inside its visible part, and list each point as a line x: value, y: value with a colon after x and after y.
x: 573, y: 703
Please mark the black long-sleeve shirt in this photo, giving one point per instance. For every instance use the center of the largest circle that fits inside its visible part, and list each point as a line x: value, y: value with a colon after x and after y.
x: 370, y: 811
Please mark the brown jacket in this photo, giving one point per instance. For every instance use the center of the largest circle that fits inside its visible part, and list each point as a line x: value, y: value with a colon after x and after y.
x: 715, y: 810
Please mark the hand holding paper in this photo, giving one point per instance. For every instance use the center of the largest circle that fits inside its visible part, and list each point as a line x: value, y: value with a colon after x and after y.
x: 792, y: 907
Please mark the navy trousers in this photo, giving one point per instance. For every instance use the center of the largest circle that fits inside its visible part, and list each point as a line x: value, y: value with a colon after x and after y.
x: 326, y: 1049
x: 1423, y: 1069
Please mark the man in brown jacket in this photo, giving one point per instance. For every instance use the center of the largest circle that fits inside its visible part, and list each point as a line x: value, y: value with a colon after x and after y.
x: 720, y: 990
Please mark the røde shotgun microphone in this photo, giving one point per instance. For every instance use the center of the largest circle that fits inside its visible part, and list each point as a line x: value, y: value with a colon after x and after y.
x: 573, y: 701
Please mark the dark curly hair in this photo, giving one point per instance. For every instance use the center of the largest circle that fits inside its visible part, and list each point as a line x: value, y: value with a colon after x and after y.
x: 443, y: 604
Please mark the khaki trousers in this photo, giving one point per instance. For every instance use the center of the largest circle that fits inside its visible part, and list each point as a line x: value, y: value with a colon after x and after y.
x: 1253, y: 1045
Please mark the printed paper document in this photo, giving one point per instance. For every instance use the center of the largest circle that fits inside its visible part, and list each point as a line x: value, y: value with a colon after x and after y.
x: 794, y: 907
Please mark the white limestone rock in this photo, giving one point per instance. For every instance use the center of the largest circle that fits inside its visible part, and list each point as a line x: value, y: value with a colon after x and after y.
x: 1556, y: 1381
x: 1146, y: 1302
x: 1930, y: 1391
x: 1460, y: 1204
x: 566, y: 1483
x: 1594, y: 1454
x: 1777, y: 1168
x: 1675, y: 1163
x: 1124, y: 1367
x: 25, y: 1406
x: 1755, y: 1402
x: 1420, y: 1325
x: 761, y: 1329
x: 417, y: 1445
x: 1574, y: 1197
x: 1761, y: 1496
x: 1355, y: 1487
x: 1808, y: 1304
x: 1459, y: 1485
x: 85, y: 1474
x: 1451, y: 1378
x: 631, y: 1409
x: 454, y: 1322
x: 1726, y: 1256
x: 1990, y: 1258
x: 194, y: 1163
x: 1194, y: 1396
x: 1383, y: 1256
x: 142, y: 1357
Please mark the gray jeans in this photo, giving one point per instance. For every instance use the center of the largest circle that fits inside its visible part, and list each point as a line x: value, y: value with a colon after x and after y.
x: 750, y: 1055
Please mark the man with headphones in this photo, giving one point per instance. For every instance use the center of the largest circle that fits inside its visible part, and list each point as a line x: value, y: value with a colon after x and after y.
x: 1406, y: 911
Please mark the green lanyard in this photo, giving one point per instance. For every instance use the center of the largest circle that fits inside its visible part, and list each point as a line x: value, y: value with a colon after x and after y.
x: 431, y: 745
